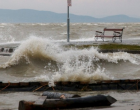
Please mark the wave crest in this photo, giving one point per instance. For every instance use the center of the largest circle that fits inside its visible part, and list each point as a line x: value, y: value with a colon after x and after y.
x: 70, y: 64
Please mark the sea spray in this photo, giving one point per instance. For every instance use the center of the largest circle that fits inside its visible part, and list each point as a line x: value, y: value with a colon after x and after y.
x: 32, y: 48
x: 63, y: 64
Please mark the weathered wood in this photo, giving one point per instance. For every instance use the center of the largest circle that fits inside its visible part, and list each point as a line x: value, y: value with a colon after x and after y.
x: 104, y: 36
x: 111, y: 29
x: 81, y: 102
x: 24, y: 105
x: 90, y: 101
x: 40, y: 101
x: 130, y: 84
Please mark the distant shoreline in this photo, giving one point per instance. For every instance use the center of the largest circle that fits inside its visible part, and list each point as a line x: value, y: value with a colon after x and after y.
x: 35, y: 16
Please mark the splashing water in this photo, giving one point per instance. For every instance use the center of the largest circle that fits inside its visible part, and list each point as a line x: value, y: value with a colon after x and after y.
x: 70, y: 64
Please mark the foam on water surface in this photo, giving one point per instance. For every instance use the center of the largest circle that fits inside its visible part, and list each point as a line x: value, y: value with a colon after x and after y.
x: 65, y: 64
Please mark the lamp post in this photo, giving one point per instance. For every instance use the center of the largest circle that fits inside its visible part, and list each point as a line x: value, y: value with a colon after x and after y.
x: 68, y: 20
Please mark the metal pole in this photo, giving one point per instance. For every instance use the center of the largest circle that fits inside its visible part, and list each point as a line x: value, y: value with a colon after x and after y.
x: 68, y: 29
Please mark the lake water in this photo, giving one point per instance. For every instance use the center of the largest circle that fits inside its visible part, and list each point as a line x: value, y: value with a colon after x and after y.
x: 40, y: 54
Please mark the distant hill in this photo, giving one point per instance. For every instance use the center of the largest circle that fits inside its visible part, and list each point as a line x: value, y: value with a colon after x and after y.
x: 34, y: 16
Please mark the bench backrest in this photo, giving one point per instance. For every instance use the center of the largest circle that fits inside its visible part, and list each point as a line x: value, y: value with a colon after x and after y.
x: 107, y: 29
x: 116, y: 32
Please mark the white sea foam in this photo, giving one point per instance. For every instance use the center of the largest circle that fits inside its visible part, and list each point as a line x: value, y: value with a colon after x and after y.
x: 73, y: 64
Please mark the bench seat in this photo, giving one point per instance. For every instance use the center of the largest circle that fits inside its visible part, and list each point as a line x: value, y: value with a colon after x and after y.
x: 107, y: 36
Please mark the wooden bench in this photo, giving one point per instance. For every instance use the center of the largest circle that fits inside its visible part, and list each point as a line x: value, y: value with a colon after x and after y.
x: 117, y: 33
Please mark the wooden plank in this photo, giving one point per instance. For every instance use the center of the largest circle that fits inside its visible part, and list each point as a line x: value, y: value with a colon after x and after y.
x: 113, y: 29
x: 80, y: 102
x: 40, y: 100
x: 105, y: 36
x: 24, y: 84
x: 24, y: 105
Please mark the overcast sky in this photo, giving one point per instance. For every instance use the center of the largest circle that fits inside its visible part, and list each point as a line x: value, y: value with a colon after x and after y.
x: 95, y: 8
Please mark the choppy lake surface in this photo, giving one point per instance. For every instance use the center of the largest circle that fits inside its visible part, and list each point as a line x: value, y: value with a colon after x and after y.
x: 41, y: 56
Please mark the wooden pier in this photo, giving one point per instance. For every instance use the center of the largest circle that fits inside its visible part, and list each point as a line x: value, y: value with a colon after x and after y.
x: 123, y: 84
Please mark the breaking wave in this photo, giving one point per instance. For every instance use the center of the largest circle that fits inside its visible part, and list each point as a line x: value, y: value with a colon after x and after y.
x: 69, y: 64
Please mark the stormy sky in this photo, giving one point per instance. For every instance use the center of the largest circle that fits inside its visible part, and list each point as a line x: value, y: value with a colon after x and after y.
x: 95, y: 8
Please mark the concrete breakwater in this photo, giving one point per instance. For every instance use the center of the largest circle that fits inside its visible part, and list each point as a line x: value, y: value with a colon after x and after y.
x: 130, y: 46
x: 9, y: 51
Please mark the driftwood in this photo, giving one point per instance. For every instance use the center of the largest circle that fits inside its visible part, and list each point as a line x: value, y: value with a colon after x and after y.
x: 24, y: 105
x: 58, y: 95
x: 90, y: 101
x: 80, y: 102
x: 33, y: 105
